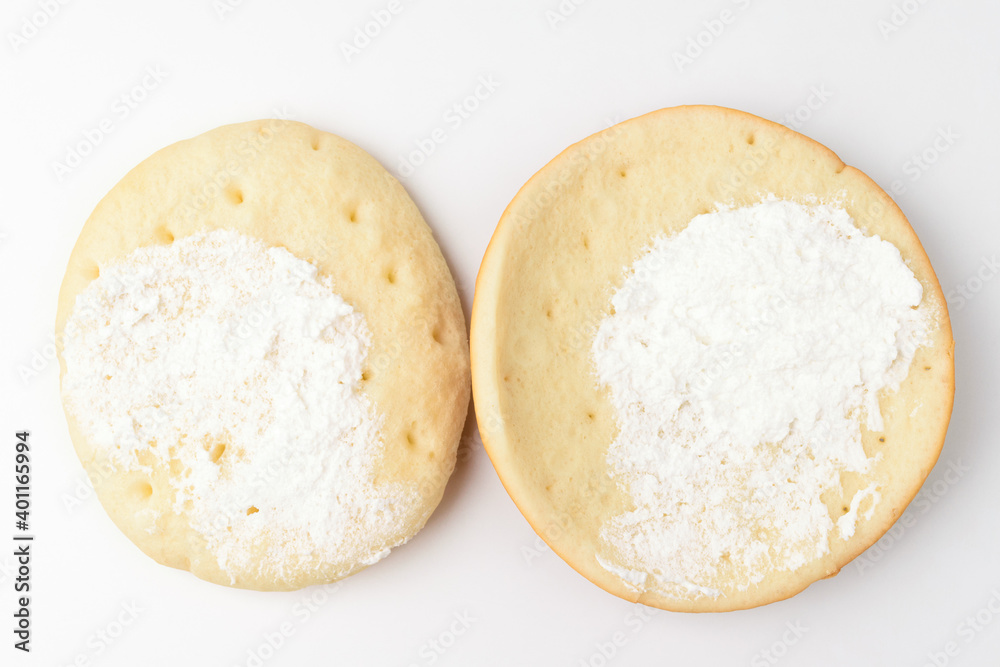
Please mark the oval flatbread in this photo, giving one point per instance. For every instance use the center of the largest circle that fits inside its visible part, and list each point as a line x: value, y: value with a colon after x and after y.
x: 279, y: 185
x: 560, y: 252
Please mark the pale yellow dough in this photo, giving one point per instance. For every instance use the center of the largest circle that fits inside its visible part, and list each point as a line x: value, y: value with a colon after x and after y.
x: 328, y: 202
x: 559, y: 252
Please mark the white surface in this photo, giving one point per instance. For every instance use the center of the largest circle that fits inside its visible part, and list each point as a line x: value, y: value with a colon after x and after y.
x: 888, y: 98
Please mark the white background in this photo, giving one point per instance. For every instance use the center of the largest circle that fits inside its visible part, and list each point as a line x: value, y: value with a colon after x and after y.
x: 880, y: 97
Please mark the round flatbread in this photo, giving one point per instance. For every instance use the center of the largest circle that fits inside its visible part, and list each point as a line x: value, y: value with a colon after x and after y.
x: 329, y: 203
x: 561, y: 251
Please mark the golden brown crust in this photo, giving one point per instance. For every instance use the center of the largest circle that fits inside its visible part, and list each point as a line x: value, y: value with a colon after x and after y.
x: 326, y: 201
x: 545, y: 283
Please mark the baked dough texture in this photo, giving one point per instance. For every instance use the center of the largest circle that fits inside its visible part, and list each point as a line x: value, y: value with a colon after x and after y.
x: 330, y: 203
x: 557, y: 256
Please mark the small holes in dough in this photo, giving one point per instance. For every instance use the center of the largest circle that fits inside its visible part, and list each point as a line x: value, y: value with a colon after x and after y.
x: 217, y: 452
x: 164, y: 235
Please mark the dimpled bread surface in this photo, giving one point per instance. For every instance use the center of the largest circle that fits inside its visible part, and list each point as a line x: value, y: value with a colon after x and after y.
x: 327, y: 202
x: 561, y: 250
